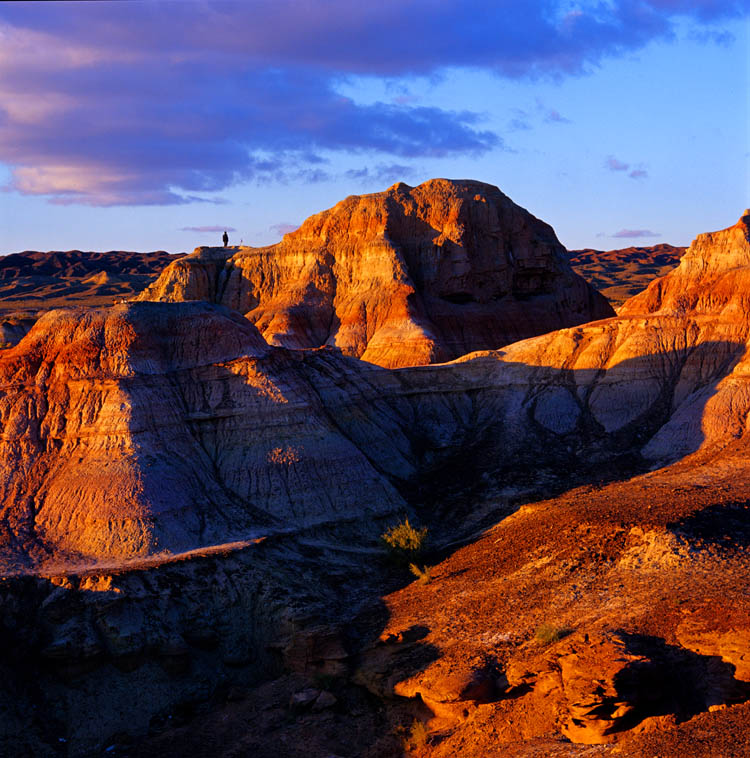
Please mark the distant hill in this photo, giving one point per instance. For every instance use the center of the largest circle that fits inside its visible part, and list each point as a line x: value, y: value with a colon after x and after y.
x: 33, y: 282
x: 620, y: 274
x: 36, y: 280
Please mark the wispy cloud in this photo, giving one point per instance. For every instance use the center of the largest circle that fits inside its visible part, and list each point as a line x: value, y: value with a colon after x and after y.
x: 635, y: 233
x: 550, y: 115
x: 214, y: 228
x: 381, y: 173
x: 613, y: 164
x: 158, y: 102
x: 283, y: 228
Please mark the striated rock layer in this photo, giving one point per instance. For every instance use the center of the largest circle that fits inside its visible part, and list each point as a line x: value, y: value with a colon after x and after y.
x: 408, y: 276
x: 154, y: 426
x: 150, y: 427
x: 147, y: 429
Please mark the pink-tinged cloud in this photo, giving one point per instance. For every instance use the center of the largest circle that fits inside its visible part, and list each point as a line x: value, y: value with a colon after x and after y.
x: 283, y: 228
x: 381, y: 173
x: 158, y: 102
x: 555, y: 117
x: 638, y: 173
x: 202, y: 229
x: 613, y: 164
x: 634, y: 233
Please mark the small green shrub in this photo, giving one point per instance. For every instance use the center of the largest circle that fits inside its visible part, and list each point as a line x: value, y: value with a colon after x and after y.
x: 546, y: 634
x: 403, y: 537
x: 423, y: 574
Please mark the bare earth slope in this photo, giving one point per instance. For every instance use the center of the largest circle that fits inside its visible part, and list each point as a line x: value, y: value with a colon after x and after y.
x: 408, y: 276
x: 173, y: 426
x: 620, y: 274
x: 152, y: 427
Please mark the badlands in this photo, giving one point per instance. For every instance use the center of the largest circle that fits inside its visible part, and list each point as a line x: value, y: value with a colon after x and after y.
x: 194, y: 486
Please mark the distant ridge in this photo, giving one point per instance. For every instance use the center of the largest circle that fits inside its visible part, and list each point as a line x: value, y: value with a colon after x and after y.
x: 620, y: 274
x: 33, y: 281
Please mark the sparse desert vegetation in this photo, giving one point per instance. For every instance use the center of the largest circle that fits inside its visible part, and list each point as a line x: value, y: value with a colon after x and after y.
x: 404, y: 542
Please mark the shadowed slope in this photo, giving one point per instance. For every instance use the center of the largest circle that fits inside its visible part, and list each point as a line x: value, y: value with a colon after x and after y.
x: 151, y: 427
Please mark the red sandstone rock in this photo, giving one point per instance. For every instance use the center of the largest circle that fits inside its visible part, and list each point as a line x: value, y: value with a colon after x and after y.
x: 412, y: 275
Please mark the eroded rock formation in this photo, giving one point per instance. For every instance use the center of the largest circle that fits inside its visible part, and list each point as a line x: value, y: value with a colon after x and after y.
x: 150, y: 427
x: 408, y: 276
x: 173, y: 433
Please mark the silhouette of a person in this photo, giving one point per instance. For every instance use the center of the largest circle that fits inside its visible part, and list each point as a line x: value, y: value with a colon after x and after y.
x: 226, y: 239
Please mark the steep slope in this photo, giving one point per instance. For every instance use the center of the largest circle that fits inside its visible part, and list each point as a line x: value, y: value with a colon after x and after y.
x: 711, y: 279
x: 160, y: 459
x: 620, y: 274
x: 150, y: 427
x: 402, y: 277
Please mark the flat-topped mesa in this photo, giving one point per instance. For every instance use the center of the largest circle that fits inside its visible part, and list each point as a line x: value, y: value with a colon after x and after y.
x: 409, y: 276
x: 713, y: 278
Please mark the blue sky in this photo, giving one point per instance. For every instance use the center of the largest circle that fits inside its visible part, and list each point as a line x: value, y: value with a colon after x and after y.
x: 151, y: 125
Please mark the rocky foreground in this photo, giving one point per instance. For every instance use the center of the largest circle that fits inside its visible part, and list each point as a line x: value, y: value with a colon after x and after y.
x: 190, y: 512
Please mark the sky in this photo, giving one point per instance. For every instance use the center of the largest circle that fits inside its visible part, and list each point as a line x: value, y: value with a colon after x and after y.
x: 139, y: 125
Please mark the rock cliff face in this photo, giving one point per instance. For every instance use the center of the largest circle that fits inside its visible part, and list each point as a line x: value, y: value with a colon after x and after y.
x: 149, y: 427
x: 712, y: 279
x: 154, y: 427
x: 159, y: 443
x: 402, y: 277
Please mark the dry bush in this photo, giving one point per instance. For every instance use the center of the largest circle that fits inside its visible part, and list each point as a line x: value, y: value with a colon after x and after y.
x: 546, y: 633
x: 404, y: 542
x: 423, y: 574
x: 417, y: 737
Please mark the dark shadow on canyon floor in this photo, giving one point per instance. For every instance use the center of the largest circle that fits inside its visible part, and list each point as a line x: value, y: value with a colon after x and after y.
x: 297, y: 586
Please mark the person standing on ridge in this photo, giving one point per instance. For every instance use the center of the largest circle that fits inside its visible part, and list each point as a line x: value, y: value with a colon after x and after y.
x: 225, y: 237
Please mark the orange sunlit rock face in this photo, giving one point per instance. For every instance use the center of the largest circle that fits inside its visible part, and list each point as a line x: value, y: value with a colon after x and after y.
x: 409, y: 276
x: 180, y: 497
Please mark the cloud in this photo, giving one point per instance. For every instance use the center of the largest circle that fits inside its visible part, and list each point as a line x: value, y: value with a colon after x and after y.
x: 634, y: 233
x: 613, y: 164
x: 213, y: 228
x: 550, y: 115
x: 158, y: 102
x: 283, y: 228
x: 382, y: 173
x: 554, y: 117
